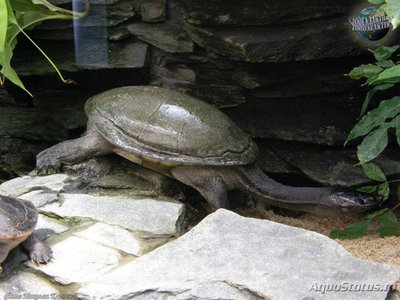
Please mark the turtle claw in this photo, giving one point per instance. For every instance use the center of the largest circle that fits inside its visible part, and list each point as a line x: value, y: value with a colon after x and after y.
x: 41, y: 255
x: 47, y: 163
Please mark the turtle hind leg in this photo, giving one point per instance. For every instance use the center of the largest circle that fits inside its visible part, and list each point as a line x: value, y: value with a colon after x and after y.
x: 72, y: 151
x: 208, y: 182
x: 39, y: 253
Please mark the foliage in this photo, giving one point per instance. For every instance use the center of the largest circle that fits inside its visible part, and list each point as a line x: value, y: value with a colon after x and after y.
x: 373, y: 129
x: 15, y: 17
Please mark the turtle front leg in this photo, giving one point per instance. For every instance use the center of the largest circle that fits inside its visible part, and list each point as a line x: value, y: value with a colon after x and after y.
x: 39, y: 253
x: 72, y: 151
x: 209, y: 183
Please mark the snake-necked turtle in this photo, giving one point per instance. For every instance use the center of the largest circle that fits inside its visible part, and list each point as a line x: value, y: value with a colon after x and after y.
x: 191, y: 141
x: 18, y: 219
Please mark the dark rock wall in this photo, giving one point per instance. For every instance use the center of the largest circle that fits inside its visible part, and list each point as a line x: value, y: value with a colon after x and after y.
x: 276, y: 67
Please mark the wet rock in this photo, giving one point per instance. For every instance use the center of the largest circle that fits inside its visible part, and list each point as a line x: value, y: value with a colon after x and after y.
x: 153, y: 218
x: 224, y: 257
x: 78, y: 260
x: 255, y: 12
x: 113, y: 237
x: 169, y: 38
x: 152, y: 11
x: 277, y: 43
x: 26, y: 184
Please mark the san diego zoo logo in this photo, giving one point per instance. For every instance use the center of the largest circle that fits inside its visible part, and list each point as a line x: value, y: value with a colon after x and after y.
x: 371, y: 23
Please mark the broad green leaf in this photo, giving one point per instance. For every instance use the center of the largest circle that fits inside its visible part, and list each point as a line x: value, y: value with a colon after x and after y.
x: 3, y: 24
x: 386, y: 109
x: 373, y: 172
x: 372, y: 145
x: 383, y: 53
x: 397, y: 122
x: 371, y: 93
x: 392, y: 9
x: 353, y: 231
x: 391, y: 75
x: 8, y: 71
x: 388, y: 224
x: 383, y: 190
x: 376, y: 213
x: 369, y: 189
x: 376, y: 1
x: 385, y: 63
x: 364, y: 71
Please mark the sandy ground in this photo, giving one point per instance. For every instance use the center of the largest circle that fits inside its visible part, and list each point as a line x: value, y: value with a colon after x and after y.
x: 370, y: 247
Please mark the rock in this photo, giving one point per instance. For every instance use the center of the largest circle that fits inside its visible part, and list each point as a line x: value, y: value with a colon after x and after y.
x: 78, y: 260
x: 113, y: 237
x: 256, y: 12
x: 231, y: 257
x: 27, y: 123
x: 152, y: 218
x: 26, y: 285
x: 39, y: 198
x: 333, y: 167
x: 305, y: 41
x: 47, y: 227
x: 26, y: 184
x: 152, y: 11
x: 129, y: 55
x: 169, y: 38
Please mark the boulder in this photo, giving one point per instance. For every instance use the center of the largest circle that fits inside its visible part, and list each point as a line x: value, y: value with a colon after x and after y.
x: 231, y: 257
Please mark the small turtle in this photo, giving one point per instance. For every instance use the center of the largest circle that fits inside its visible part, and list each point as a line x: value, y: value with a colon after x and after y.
x: 18, y: 219
x: 193, y: 142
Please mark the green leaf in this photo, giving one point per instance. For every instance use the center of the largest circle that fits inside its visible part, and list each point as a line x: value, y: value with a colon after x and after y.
x: 392, y: 9
x: 388, y: 224
x: 377, y: 213
x: 386, y: 109
x: 383, y: 53
x: 364, y: 71
x: 397, y: 126
x: 353, y: 231
x: 372, y: 145
x: 391, y: 75
x: 383, y: 190
x: 385, y: 63
x: 371, y: 93
x: 369, y: 189
x: 373, y: 172
x: 376, y: 1
x: 3, y: 24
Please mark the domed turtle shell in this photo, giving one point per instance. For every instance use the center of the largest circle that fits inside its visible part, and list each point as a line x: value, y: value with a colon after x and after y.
x: 169, y: 126
x: 18, y: 218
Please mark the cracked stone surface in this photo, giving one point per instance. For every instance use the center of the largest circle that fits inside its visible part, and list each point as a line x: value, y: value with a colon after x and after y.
x: 153, y: 218
x: 228, y: 256
x: 22, y: 185
x: 78, y: 260
x: 112, y: 236
x: 24, y: 283
x: 39, y: 198
x: 47, y: 227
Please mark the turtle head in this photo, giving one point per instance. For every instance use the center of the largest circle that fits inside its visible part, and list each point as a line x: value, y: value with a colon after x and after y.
x: 353, y: 202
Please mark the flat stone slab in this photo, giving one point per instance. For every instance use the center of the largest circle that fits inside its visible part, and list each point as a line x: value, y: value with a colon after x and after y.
x: 78, y: 260
x: 22, y: 185
x: 113, y: 237
x: 25, y: 285
x: 39, y: 198
x: 47, y: 227
x: 153, y: 218
x: 227, y: 256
